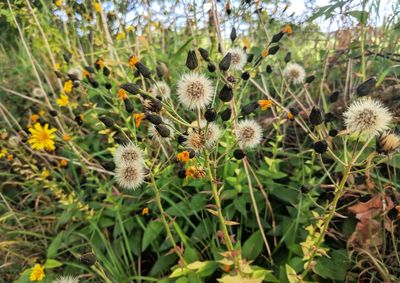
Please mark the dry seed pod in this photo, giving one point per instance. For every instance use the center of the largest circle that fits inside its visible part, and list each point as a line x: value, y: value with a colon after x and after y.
x: 225, y: 62
x: 316, y: 116
x: 191, y: 60
x: 366, y: 87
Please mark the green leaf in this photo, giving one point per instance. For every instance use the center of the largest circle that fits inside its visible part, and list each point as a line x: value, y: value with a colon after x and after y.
x: 253, y: 246
x: 151, y: 233
x: 383, y: 75
x: 361, y: 16
x: 52, y: 263
x: 333, y: 268
x: 55, y: 245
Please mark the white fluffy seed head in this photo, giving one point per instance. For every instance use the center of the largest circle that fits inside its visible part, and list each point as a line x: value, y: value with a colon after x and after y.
x: 127, y: 154
x: 239, y: 58
x: 66, y: 279
x: 367, y: 116
x: 130, y: 176
x: 161, y: 89
x: 294, y: 73
x: 38, y: 92
x: 203, y: 136
x: 248, y: 133
x: 388, y: 142
x: 195, y: 90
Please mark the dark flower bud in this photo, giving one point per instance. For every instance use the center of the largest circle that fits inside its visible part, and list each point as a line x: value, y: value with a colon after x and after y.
x: 277, y: 37
x: 192, y: 153
x: 309, y: 79
x: 225, y: 62
x: 334, y: 97
x: 136, y: 73
x: 163, y: 130
x: 181, y: 139
x: 67, y: 57
x: 89, y: 69
x: 182, y: 174
x: 108, y: 85
x: 250, y: 57
x: 239, y: 154
x: 97, y: 64
x: 53, y: 113
x: 153, y: 105
x: 131, y: 88
x: 106, y: 71
x: 211, y: 67
x: 144, y: 71
x: 359, y: 179
x: 366, y: 87
x: 107, y: 121
x: 210, y: 115
x: 93, y: 82
x: 88, y: 259
x: 191, y: 60
x: 288, y: 57
x: 320, y: 146
x: 245, y: 76
x: 159, y: 71
x: 226, y: 93
x: 316, y: 116
x: 268, y: 69
x: 304, y: 189
x: 128, y: 105
x: 273, y: 50
x: 73, y: 77
x: 333, y: 133
x: 233, y: 35
x: 153, y: 118
x: 393, y: 214
x: 78, y: 120
x: 75, y: 84
x: 249, y: 108
x: 108, y: 165
x: 121, y: 139
x: 226, y: 114
x: 294, y: 111
x: 329, y: 117
x: 204, y: 54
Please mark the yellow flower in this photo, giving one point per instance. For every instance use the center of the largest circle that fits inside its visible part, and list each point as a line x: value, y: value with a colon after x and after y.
x: 3, y: 152
x: 138, y: 119
x: 42, y: 137
x: 183, y: 156
x: 145, y: 211
x: 45, y: 173
x: 63, y: 100
x: 68, y: 85
x: 129, y: 28
x: 37, y: 273
x: 121, y: 35
x: 97, y: 6
x: 265, y: 104
x: 41, y: 112
x: 57, y: 65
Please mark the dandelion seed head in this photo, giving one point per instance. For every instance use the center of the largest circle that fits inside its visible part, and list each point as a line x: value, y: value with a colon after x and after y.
x: 294, y: 73
x: 367, y: 116
x: 127, y: 154
x: 38, y: 92
x: 388, y: 142
x: 195, y: 91
x: 130, y: 176
x: 248, y: 133
x: 66, y: 279
x: 161, y: 89
x: 238, y: 58
x: 201, y: 137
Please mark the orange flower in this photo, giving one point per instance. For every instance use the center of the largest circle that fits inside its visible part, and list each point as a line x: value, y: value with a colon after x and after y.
x: 34, y: 118
x: 63, y: 163
x: 264, y: 53
x: 183, y: 156
x: 66, y: 137
x: 133, y: 60
x: 195, y: 172
x: 10, y: 157
x: 138, y: 119
x: 85, y: 73
x: 145, y: 211
x: 100, y: 62
x: 122, y: 94
x: 290, y: 116
x: 265, y: 104
x: 287, y: 29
